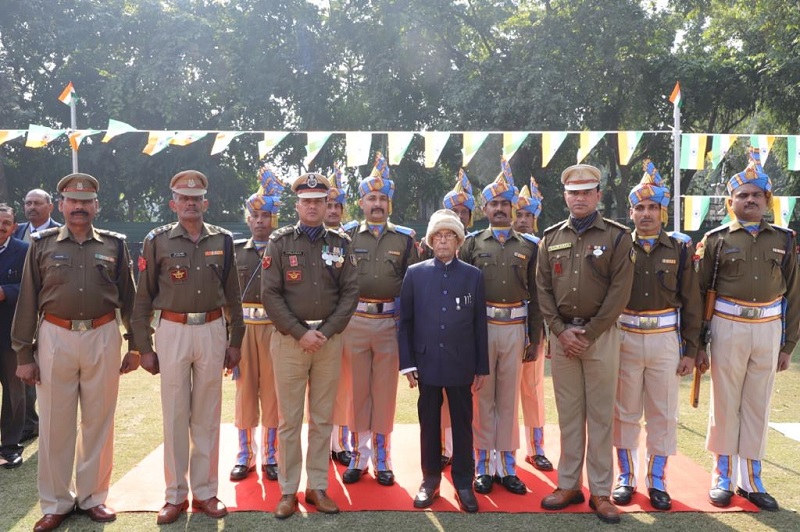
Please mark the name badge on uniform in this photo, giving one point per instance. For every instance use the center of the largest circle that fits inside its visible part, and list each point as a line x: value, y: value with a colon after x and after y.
x: 393, y: 252
x: 565, y: 245
x: 61, y: 257
x: 177, y: 254
x: 778, y: 250
x: 731, y: 250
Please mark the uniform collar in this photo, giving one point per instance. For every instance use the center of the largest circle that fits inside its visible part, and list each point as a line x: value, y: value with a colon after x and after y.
x: 388, y: 226
x: 598, y: 222
x: 64, y: 234
x: 663, y: 239
x: 736, y: 226
x: 179, y: 231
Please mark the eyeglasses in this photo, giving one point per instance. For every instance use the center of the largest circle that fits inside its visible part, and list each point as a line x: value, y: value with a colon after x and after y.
x: 446, y: 237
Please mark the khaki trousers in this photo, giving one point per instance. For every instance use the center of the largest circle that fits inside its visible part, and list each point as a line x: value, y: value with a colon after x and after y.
x: 343, y: 405
x: 585, y: 389
x: 648, y: 383
x: 744, y: 359
x: 255, y: 386
x: 76, y: 368
x: 496, y: 405
x: 191, y: 358
x: 296, y: 370
x: 371, y: 346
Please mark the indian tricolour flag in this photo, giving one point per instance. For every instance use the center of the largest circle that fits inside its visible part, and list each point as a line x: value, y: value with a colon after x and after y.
x: 693, y: 151
x: 695, y: 209
x: 67, y: 96
x: 793, y: 143
x: 782, y: 209
x: 11, y: 134
x: 676, y: 98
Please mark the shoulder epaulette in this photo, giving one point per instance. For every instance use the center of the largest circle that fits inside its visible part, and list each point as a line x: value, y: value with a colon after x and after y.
x: 473, y: 233
x: 158, y: 230
x: 405, y: 230
x: 349, y: 226
x: 718, y: 229
x: 559, y: 225
x: 680, y: 237
x: 785, y: 229
x: 47, y: 232
x: 617, y: 224
x: 112, y: 233
x: 221, y: 230
x: 339, y: 232
x: 282, y: 232
x: 531, y: 238
x: 240, y: 242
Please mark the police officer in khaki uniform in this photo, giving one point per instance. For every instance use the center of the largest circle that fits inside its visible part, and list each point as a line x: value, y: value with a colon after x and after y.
x: 753, y: 332
x: 74, y: 280
x: 584, y: 277
x: 531, y: 389
x: 309, y: 289
x: 508, y: 262
x: 659, y: 334
x: 188, y: 273
x: 255, y: 381
x: 383, y: 251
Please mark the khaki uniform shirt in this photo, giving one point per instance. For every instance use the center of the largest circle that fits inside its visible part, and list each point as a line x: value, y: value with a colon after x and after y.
x: 382, y: 262
x: 586, y: 275
x: 758, y: 269
x: 509, y: 272
x: 298, y: 284
x: 180, y: 276
x: 248, y: 266
x: 658, y: 285
x: 73, y: 282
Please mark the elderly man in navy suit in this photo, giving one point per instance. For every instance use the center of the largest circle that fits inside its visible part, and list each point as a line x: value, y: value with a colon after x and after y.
x: 12, y: 415
x: 443, y: 344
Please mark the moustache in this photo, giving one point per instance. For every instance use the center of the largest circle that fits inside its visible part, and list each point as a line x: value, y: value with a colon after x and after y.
x: 79, y: 212
x: 377, y: 209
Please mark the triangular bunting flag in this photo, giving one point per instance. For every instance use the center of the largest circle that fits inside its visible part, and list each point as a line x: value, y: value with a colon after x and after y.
x: 67, y: 96
x: 184, y: 138
x: 315, y: 141
x: 115, y: 127
x: 271, y: 139
x: 695, y: 210
x: 398, y: 144
x: 511, y: 143
x: 551, y: 141
x: 782, y: 209
x: 763, y: 143
x: 693, y: 151
x: 40, y: 136
x: 793, y: 143
x: 10, y: 134
x: 434, y: 144
x: 223, y: 140
x: 473, y: 140
x: 157, y: 141
x: 77, y: 136
x: 627, y: 142
x: 720, y: 144
x: 357, y: 146
x: 588, y: 141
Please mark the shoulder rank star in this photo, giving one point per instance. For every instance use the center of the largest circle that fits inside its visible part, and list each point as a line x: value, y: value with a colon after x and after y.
x: 331, y: 254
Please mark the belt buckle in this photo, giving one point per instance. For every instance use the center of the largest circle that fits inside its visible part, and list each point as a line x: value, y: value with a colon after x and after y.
x: 195, y: 318
x: 372, y: 308
x: 501, y: 313
x: 648, y: 322
x: 314, y: 324
x: 752, y: 313
x: 81, y: 325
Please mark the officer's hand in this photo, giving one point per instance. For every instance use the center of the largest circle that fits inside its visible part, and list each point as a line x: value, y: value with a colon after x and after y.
x: 232, y: 357
x: 130, y: 362
x: 531, y: 353
x: 479, y: 381
x: 29, y: 373
x: 573, y: 342
x: 783, y: 361
x: 413, y: 379
x: 149, y: 362
x: 701, y: 361
x: 312, y: 340
x: 685, y: 366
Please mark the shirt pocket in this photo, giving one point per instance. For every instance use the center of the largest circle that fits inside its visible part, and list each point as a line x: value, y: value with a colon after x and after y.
x: 732, y: 265
x: 560, y: 262
x: 177, y: 269
x: 774, y: 262
x: 106, y: 270
x: 668, y: 277
x: 58, y: 270
x: 362, y: 262
x: 488, y: 264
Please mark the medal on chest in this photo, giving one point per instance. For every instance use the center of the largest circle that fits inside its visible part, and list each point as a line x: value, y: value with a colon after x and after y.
x: 332, y: 255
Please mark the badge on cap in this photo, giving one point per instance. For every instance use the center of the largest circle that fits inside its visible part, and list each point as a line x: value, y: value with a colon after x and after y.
x: 312, y: 181
x: 79, y: 185
x: 191, y: 183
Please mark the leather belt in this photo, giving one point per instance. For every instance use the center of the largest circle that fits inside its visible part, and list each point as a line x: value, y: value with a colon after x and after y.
x: 80, y: 325
x: 649, y: 321
x: 736, y: 310
x: 510, y: 312
x: 192, y: 318
x: 254, y: 314
x: 375, y: 306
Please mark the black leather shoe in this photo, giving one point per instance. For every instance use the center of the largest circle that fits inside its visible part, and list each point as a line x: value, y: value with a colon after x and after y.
x: 426, y: 496
x: 466, y: 500
x: 513, y: 484
x: 240, y: 472
x: 343, y: 457
x: 622, y: 495
x: 446, y: 461
x: 351, y: 476
x: 660, y: 500
x: 385, y: 478
x: 719, y: 497
x: 270, y: 471
x: 483, y: 484
x: 13, y: 460
x: 765, y: 501
x: 540, y: 462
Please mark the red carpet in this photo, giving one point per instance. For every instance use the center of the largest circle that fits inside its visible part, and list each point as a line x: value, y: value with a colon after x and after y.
x: 142, y: 488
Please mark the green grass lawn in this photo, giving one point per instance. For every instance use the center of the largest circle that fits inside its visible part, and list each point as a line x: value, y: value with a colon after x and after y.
x: 138, y: 432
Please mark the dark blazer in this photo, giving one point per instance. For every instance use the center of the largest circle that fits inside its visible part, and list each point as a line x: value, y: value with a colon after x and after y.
x: 25, y: 227
x: 443, y: 323
x: 11, y: 262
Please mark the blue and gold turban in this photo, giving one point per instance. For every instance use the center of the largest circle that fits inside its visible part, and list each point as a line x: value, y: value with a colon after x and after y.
x: 651, y: 187
x: 336, y: 192
x: 754, y: 175
x: 530, y: 199
x: 267, y: 198
x: 378, y: 180
x: 502, y: 186
x: 461, y: 195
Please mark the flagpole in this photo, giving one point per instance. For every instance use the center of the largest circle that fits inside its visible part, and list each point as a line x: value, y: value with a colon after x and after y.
x: 676, y: 135
x: 73, y: 115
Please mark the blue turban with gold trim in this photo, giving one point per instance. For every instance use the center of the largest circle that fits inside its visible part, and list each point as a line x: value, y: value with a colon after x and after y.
x: 651, y: 187
x: 754, y: 174
x: 267, y: 198
x: 461, y: 195
x: 502, y: 186
x: 336, y: 192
